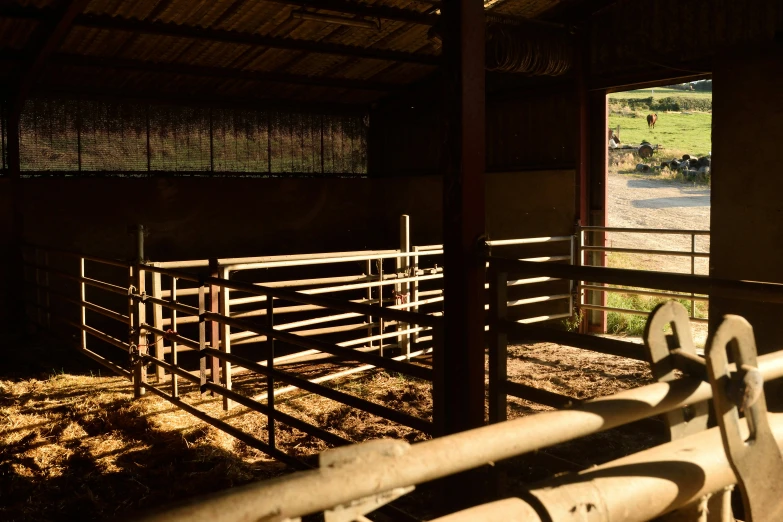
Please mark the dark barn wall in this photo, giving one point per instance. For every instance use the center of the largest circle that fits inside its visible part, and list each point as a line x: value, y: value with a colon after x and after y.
x: 205, y: 217
x: 527, y: 129
x: 747, y: 207
x: 657, y: 38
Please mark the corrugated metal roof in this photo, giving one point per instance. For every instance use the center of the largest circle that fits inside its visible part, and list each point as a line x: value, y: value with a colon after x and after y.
x: 271, y: 18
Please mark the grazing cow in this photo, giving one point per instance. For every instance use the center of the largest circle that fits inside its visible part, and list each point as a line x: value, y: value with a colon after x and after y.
x: 651, y: 119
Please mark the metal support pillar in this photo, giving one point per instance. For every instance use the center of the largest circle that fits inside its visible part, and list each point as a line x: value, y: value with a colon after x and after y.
x: 596, y: 200
x: 462, y: 163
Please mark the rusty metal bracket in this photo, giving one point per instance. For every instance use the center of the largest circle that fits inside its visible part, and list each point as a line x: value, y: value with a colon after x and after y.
x: 756, y: 460
x: 671, y: 352
x: 370, y: 452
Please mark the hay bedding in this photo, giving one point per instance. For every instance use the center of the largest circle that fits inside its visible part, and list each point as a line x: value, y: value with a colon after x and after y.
x: 77, y: 446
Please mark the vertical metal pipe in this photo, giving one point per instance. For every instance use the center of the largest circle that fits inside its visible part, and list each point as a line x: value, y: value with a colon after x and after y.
x: 138, y: 338
x: 225, y: 338
x: 157, y: 318
x: 270, y: 363
x: 202, y: 336
x: 214, y: 327
x: 174, y: 362
x: 693, y: 271
x: 498, y: 346
x: 415, y: 290
x: 83, y: 310
x: 368, y: 269
x: 381, y: 327
x: 403, y: 341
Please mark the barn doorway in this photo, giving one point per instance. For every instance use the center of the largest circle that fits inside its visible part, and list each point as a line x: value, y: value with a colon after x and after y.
x: 659, y: 179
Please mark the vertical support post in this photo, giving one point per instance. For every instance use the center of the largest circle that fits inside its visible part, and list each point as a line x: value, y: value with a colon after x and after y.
x: 174, y: 362
x: 202, y: 335
x: 225, y: 338
x: 498, y: 345
x: 404, y: 341
x: 596, y: 215
x: 157, y: 322
x: 369, y: 318
x: 83, y: 310
x: 438, y: 376
x: 415, y: 291
x: 214, y: 326
x: 380, y: 303
x: 270, y: 363
x: 573, y: 286
x: 463, y: 164
x: 693, y: 271
x: 137, y: 312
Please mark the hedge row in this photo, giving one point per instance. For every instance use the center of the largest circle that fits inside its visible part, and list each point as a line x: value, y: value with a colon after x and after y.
x: 671, y: 103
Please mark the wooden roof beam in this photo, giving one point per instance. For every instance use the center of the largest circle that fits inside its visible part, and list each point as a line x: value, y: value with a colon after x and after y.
x: 45, y: 41
x: 368, y: 10
x: 221, y: 35
x: 219, y: 72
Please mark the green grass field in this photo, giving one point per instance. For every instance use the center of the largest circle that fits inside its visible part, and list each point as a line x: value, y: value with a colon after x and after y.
x: 691, y: 133
x: 680, y: 132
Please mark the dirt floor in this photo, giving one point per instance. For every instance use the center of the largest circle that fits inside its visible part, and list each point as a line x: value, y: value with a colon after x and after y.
x: 76, y: 445
x: 637, y: 201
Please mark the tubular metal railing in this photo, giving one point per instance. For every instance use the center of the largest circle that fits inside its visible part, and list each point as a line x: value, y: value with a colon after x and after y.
x: 588, y: 290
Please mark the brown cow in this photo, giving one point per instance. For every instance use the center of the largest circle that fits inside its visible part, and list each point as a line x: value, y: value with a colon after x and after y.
x: 651, y: 119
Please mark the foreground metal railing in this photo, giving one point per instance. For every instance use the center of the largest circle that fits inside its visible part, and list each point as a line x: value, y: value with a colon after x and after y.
x: 681, y: 476
x: 594, y: 245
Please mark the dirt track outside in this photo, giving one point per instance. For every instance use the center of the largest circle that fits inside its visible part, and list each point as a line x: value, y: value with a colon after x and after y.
x: 651, y: 202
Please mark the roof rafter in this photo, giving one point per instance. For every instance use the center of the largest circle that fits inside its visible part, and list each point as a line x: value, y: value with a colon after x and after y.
x: 221, y: 35
x: 219, y: 72
x: 46, y: 41
x: 362, y: 9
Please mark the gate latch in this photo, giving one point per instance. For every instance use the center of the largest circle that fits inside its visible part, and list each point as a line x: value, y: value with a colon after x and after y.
x: 739, y: 388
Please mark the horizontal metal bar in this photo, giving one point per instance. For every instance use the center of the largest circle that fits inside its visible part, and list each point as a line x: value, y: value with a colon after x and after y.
x: 539, y: 299
x: 175, y: 337
x: 537, y: 395
x: 378, y: 337
x: 327, y: 302
x: 90, y: 306
x: 680, y: 253
x: 226, y: 427
x: 330, y: 393
x: 663, y: 476
x: 251, y: 404
x: 546, y: 258
x: 529, y: 240
x: 586, y: 342
x: 96, y: 333
x: 247, y: 337
x: 747, y: 290
x: 329, y: 260
x: 106, y: 363
x: 647, y: 231
x: 180, y: 292
x: 263, y: 259
x: 632, y: 312
x: 315, y: 344
x: 86, y: 280
x: 103, y: 260
x: 405, y: 465
x: 171, y: 305
x: 171, y: 273
x: 339, y: 375
x: 542, y: 318
x: 617, y: 290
